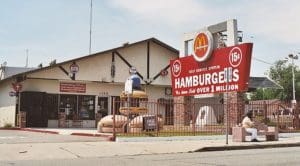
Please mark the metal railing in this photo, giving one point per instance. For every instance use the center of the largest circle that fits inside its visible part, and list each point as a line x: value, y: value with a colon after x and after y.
x: 167, y: 118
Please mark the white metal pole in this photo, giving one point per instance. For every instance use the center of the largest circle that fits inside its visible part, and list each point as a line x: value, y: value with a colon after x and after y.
x: 227, y: 108
x: 293, y: 72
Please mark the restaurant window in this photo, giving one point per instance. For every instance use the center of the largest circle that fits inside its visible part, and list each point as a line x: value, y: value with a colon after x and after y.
x: 103, y: 106
x: 78, y: 107
x: 86, y: 105
x: 68, y: 105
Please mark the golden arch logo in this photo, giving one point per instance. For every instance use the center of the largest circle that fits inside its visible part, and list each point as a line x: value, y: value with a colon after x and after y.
x: 202, y: 46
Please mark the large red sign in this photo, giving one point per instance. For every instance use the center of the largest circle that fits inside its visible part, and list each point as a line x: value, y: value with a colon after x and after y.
x: 226, y: 70
x: 72, y: 87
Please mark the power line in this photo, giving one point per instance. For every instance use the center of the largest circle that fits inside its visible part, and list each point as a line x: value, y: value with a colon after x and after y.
x: 263, y: 61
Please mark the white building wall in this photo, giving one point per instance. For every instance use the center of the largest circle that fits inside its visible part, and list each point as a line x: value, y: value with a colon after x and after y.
x: 136, y: 55
x: 98, y: 67
x: 95, y: 68
x: 159, y: 59
x: 53, y: 73
x: 5, y: 99
x: 7, y: 115
x: 7, y: 105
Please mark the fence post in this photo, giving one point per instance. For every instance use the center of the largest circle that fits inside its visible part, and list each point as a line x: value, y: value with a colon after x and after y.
x: 114, y: 120
x: 193, y: 118
x: 277, y: 116
x: 265, y: 112
x: 296, y: 119
x: 157, y: 123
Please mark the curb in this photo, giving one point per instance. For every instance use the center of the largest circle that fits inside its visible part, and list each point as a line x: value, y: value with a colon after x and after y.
x: 11, y: 128
x: 109, y: 137
x: 39, y: 131
x: 241, y: 147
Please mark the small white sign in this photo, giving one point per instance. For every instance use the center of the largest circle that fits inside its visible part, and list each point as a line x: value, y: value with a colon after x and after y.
x: 74, y: 68
x: 128, y: 86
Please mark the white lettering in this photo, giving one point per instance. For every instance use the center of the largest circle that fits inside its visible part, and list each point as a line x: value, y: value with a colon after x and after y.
x: 182, y: 83
x: 177, y: 83
x: 189, y: 81
x: 222, y: 77
x: 208, y: 79
x: 236, y: 75
x: 214, y: 79
x: 195, y: 80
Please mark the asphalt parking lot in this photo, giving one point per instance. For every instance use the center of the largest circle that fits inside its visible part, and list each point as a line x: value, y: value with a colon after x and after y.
x: 18, y: 136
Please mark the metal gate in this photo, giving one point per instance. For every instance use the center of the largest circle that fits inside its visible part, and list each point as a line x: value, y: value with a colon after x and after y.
x: 34, y: 104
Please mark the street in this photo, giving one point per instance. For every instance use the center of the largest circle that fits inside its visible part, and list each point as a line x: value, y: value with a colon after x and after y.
x: 276, y: 156
x: 31, y: 148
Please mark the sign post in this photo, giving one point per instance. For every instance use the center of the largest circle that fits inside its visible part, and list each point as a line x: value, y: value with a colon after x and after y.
x: 212, y: 67
x: 17, y: 88
x: 128, y: 92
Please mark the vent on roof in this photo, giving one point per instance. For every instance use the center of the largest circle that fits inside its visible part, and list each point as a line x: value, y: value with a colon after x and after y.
x: 40, y: 65
x: 125, y: 44
x: 52, y: 62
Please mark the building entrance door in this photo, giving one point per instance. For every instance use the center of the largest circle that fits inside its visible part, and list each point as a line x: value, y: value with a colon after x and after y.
x: 34, y: 104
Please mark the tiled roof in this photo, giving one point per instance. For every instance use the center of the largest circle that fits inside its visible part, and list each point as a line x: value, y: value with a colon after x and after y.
x: 262, y: 82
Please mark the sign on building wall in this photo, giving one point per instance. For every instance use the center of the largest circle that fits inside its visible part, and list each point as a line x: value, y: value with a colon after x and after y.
x: 226, y: 70
x: 72, y: 87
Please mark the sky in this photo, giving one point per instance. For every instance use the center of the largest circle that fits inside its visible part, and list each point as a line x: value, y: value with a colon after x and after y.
x: 59, y: 29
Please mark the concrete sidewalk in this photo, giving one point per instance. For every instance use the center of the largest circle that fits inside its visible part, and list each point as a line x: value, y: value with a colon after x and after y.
x: 135, y: 146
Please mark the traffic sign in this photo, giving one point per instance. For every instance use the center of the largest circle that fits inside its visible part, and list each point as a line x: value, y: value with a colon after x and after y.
x: 17, y: 87
x: 12, y: 93
x: 74, y: 68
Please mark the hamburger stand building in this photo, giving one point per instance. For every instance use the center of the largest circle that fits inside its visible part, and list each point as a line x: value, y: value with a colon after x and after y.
x: 82, y: 88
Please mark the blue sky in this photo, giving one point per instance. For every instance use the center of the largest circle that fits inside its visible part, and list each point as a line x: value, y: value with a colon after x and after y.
x: 59, y: 29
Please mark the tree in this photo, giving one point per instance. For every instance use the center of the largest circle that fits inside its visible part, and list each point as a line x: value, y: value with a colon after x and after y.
x: 281, y: 73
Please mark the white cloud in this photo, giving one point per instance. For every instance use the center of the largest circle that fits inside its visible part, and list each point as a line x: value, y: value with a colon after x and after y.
x: 276, y: 20
x: 175, y: 12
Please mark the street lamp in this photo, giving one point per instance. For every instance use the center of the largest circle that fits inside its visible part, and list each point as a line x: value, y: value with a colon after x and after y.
x: 293, y: 57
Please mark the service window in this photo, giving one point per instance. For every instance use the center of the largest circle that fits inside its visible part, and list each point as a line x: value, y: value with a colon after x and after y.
x: 86, y: 107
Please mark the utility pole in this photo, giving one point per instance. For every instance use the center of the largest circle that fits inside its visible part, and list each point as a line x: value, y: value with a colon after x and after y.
x: 26, y: 65
x: 91, y: 19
